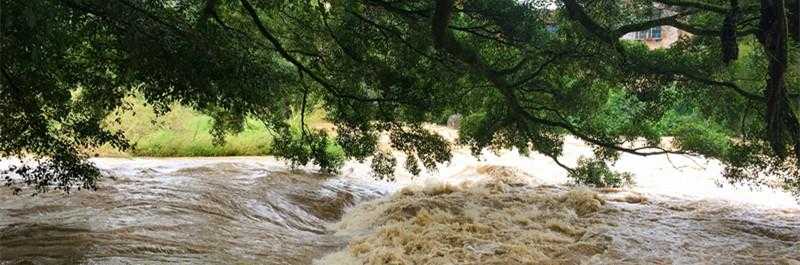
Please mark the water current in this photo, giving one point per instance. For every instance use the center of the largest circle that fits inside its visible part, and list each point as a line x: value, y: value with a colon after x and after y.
x: 497, y: 209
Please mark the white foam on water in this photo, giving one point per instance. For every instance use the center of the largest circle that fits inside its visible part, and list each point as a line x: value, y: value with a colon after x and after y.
x: 679, y: 208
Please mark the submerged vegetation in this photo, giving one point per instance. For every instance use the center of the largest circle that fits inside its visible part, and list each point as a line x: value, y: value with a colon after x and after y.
x: 524, y: 74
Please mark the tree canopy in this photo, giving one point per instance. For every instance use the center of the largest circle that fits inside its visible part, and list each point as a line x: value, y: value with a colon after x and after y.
x: 524, y: 74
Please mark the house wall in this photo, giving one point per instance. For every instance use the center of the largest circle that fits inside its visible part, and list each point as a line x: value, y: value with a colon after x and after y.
x: 669, y: 35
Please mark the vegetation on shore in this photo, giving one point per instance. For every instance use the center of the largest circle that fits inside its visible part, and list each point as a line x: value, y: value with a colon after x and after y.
x: 184, y: 132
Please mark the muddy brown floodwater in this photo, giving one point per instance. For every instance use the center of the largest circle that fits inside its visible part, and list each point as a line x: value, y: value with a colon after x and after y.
x: 501, y: 209
x: 223, y: 211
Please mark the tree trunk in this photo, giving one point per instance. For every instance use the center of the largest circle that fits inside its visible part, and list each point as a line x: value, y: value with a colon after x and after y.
x: 781, y: 120
x: 793, y: 7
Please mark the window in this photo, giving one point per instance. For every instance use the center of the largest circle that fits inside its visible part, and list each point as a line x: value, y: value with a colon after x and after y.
x: 655, y: 33
x: 650, y: 34
x: 640, y: 35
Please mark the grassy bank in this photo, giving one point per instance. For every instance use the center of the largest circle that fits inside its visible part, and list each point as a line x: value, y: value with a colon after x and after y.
x: 185, y: 132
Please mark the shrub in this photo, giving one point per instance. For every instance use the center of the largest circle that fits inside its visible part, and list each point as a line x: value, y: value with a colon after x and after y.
x: 596, y: 173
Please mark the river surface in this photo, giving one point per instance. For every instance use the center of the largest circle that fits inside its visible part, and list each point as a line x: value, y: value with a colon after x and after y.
x: 256, y: 210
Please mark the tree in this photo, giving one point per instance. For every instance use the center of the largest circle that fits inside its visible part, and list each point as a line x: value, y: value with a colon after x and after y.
x: 389, y: 66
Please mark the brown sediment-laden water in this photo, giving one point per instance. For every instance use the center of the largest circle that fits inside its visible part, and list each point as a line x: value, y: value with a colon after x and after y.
x: 500, y: 209
x: 166, y: 211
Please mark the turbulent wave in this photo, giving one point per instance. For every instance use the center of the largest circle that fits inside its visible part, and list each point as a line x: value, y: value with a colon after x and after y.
x: 497, y: 221
x: 506, y: 218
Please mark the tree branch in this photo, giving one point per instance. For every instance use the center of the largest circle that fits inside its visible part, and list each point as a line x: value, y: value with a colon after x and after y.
x: 695, y: 4
x: 300, y: 66
x: 576, y: 13
x: 644, y: 25
x: 445, y: 42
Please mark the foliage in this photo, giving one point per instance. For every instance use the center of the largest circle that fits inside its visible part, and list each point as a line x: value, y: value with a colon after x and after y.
x: 383, y: 165
x: 180, y: 132
x: 302, y: 148
x: 594, y: 172
x: 386, y: 67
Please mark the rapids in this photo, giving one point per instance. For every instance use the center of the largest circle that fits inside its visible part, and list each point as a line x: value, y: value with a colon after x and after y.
x: 499, y: 209
x: 166, y: 211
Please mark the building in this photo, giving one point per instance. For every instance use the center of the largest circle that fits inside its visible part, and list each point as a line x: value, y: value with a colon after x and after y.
x: 657, y: 37
x: 661, y: 36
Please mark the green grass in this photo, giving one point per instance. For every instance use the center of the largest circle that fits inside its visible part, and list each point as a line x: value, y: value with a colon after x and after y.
x: 185, y: 132
x: 190, y: 136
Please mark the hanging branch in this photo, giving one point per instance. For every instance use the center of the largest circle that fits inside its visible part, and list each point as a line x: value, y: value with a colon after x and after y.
x: 445, y: 42
x: 335, y: 91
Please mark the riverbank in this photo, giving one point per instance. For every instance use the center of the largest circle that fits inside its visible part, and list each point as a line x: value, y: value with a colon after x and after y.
x: 183, y: 132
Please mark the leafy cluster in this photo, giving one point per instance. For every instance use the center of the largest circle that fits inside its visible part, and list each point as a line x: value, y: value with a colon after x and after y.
x: 593, y: 172
x: 523, y: 74
x: 311, y: 147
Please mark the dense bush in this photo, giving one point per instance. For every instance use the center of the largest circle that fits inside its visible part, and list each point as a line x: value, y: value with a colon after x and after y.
x: 596, y: 173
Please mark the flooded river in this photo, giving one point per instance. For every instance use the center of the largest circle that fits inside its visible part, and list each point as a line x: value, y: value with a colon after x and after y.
x: 501, y: 209
x: 224, y: 211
